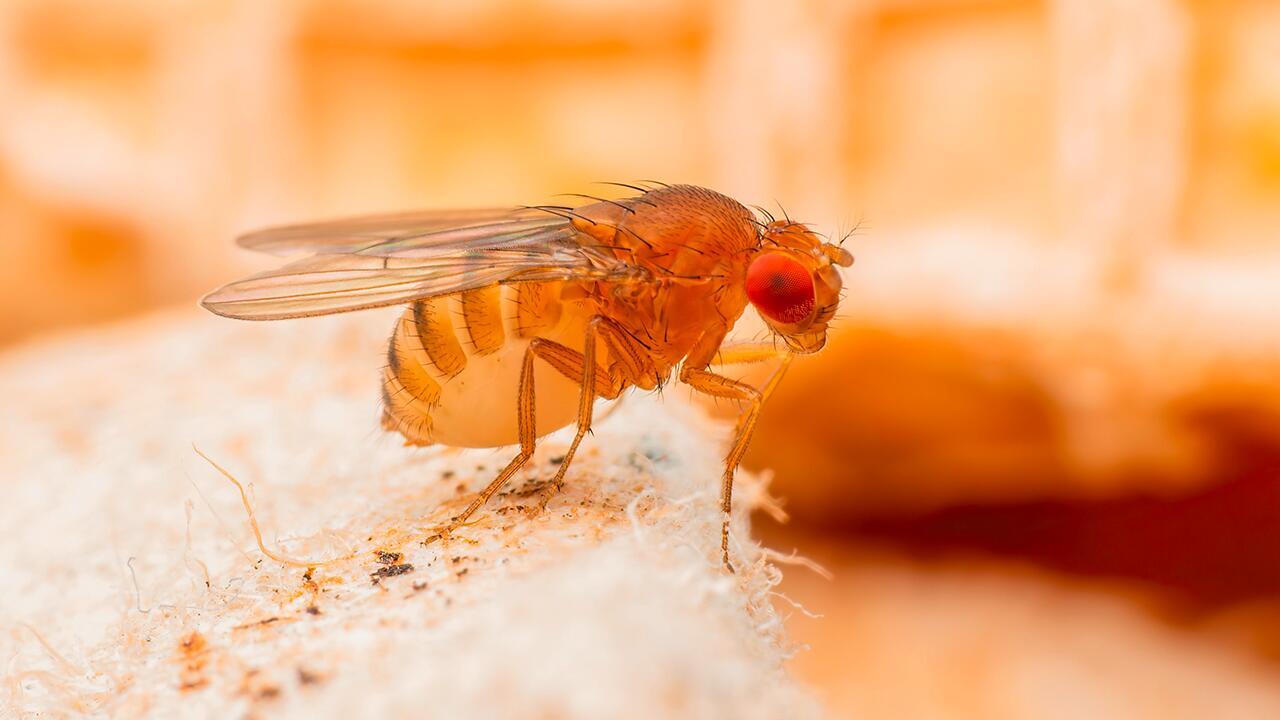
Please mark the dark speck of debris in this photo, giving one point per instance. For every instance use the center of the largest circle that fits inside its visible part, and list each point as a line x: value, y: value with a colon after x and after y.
x: 463, y: 571
x: 313, y: 610
x: 390, y: 571
x: 307, y: 678
x: 447, y: 474
x: 389, y: 558
x: 420, y: 585
x: 558, y: 459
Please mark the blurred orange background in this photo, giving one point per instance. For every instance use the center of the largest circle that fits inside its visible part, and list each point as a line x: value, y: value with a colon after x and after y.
x: 1060, y: 344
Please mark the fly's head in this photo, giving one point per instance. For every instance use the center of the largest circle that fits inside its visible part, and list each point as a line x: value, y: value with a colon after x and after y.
x: 793, y: 282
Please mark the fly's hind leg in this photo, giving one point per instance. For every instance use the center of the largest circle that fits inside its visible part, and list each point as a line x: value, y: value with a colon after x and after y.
x: 525, y: 424
x: 595, y: 380
x: 710, y: 383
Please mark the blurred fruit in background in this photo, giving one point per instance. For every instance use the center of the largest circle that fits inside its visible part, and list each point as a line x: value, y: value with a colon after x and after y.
x: 1060, y: 340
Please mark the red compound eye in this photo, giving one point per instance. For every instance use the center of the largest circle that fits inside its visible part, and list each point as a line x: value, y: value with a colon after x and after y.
x: 780, y: 287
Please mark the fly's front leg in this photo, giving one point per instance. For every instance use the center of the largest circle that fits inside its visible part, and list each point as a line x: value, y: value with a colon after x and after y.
x: 595, y: 380
x: 746, y: 353
x: 525, y: 424
x: 710, y: 383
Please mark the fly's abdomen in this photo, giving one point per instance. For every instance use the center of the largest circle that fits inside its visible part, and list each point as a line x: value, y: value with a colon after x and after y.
x: 454, y: 363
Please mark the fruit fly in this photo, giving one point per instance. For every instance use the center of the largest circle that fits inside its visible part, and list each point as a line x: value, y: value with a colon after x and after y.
x: 517, y: 320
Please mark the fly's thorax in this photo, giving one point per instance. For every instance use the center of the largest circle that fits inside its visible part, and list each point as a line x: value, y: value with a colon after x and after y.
x: 693, y: 246
x: 666, y: 318
x: 690, y: 311
x: 679, y: 230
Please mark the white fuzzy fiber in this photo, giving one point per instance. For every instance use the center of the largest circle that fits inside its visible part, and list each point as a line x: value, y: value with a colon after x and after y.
x: 611, y: 604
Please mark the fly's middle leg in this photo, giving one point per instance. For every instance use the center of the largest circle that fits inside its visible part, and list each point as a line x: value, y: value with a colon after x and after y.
x: 594, y: 379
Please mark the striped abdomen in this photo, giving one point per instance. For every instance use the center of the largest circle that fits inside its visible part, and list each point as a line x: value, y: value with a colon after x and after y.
x: 453, y: 365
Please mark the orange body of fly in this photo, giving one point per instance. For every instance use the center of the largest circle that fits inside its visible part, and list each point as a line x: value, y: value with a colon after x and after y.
x: 517, y: 320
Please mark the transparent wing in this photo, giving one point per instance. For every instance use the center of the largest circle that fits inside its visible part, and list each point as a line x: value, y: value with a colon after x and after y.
x: 372, y: 262
x: 361, y: 233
